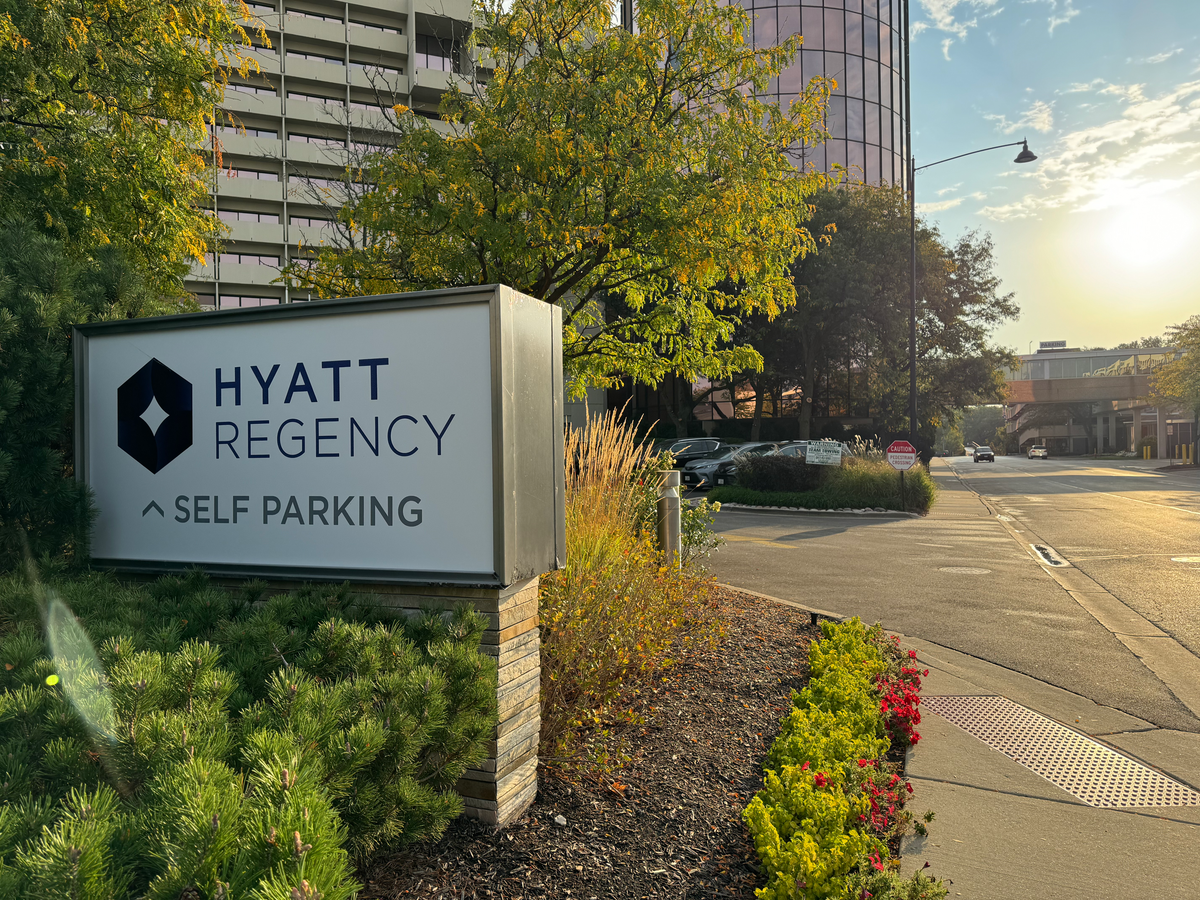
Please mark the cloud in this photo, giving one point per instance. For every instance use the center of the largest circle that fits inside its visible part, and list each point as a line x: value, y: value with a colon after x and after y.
x: 954, y: 18
x: 949, y: 190
x: 1161, y: 57
x: 1152, y: 146
x: 939, y: 206
x: 1039, y: 117
x: 1061, y: 12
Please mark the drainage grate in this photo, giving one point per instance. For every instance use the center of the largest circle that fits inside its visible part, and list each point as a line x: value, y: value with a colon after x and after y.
x: 1048, y: 555
x: 1096, y: 774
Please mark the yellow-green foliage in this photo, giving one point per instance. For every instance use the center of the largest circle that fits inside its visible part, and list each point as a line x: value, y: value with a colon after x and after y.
x: 832, y: 742
x: 809, y: 832
x: 807, y: 837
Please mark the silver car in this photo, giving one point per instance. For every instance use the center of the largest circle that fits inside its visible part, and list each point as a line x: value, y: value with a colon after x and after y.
x: 720, y: 467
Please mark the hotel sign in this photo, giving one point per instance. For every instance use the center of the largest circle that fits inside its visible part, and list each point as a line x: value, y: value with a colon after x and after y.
x: 412, y: 438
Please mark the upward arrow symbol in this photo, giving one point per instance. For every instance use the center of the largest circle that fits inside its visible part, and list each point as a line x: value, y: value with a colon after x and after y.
x: 153, y: 505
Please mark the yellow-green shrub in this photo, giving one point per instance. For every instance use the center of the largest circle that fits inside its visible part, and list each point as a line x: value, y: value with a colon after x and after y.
x: 808, y: 837
x: 808, y: 827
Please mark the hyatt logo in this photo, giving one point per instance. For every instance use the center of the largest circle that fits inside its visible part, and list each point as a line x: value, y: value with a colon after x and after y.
x: 154, y: 415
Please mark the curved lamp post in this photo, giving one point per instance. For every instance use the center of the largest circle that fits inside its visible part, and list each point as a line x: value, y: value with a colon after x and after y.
x: 1025, y: 156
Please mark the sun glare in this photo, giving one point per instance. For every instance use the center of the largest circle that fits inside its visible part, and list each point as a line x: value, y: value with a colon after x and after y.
x: 1147, y: 231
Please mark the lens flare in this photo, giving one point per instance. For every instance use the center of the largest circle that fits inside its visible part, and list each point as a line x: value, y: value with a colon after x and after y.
x: 78, y: 669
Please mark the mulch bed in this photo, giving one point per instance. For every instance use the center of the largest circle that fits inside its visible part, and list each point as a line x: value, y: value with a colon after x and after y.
x: 670, y: 826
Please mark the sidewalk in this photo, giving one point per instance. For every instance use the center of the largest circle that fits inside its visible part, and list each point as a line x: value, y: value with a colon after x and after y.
x: 1003, y: 832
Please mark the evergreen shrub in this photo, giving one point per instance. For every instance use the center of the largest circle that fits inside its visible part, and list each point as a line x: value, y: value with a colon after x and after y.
x: 169, y: 738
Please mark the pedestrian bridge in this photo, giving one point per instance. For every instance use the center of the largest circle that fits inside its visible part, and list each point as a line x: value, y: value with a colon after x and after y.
x: 1083, y: 401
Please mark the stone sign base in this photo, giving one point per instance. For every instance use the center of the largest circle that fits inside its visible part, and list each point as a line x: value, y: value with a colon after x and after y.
x: 505, y: 783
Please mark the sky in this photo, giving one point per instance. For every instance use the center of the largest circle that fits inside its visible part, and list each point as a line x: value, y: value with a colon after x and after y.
x: 1099, y: 239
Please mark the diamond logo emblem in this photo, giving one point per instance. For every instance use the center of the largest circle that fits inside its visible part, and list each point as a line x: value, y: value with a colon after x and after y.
x: 154, y: 415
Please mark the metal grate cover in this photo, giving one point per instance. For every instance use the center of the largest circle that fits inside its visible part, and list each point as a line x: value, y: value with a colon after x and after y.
x: 1096, y: 774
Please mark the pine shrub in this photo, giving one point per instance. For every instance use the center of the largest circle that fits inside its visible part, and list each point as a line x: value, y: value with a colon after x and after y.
x: 174, y: 737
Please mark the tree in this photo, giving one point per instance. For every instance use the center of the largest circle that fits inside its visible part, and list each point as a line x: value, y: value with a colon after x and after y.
x: 847, y: 335
x: 979, y: 423
x: 103, y: 106
x: 1177, y: 383
x: 624, y: 177
x: 43, y: 292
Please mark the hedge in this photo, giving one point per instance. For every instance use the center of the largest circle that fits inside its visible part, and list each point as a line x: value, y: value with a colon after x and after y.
x: 822, y: 821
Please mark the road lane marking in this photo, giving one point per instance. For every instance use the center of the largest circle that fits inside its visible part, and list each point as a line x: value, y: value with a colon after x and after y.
x: 1190, y: 512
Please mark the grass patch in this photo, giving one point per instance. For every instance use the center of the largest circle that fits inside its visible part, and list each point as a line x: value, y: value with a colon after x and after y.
x: 857, y: 484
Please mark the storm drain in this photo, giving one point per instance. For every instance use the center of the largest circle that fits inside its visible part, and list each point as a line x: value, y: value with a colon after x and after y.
x: 1048, y: 555
x: 1097, y: 775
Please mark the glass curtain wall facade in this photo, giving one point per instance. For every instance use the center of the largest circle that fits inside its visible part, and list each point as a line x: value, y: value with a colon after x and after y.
x: 860, y: 43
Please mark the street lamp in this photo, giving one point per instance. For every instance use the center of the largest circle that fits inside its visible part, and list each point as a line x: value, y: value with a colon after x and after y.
x: 1025, y: 156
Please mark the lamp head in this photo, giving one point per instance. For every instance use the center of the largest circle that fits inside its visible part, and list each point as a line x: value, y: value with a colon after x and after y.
x: 1025, y: 156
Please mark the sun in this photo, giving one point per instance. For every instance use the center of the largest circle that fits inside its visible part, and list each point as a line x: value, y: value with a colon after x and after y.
x: 1147, y: 230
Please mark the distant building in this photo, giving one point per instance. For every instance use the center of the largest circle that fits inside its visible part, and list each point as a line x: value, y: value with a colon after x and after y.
x: 284, y: 136
x: 1083, y: 401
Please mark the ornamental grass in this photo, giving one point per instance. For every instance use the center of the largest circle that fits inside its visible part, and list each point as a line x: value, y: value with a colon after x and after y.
x: 616, y: 613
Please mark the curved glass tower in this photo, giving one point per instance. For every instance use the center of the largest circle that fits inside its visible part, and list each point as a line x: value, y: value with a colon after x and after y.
x: 860, y: 43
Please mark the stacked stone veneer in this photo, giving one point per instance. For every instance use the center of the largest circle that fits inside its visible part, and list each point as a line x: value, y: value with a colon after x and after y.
x: 506, y: 782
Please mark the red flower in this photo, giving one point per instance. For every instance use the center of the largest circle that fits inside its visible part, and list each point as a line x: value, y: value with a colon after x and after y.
x: 819, y: 779
x: 912, y: 654
x: 909, y: 788
x: 875, y: 861
x: 804, y: 767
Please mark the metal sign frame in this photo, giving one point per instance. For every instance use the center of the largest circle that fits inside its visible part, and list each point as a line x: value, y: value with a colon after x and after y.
x: 528, y: 475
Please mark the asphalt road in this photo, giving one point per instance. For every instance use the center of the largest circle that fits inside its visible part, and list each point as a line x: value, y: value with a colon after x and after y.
x: 965, y: 576
x: 1132, y: 527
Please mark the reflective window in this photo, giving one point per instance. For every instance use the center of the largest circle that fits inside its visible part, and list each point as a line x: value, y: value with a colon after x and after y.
x: 854, y: 43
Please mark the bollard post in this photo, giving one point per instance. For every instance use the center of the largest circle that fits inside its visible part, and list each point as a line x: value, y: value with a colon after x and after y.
x: 670, y: 533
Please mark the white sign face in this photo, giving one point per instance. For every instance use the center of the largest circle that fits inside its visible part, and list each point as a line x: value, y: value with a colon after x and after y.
x: 355, y: 441
x: 823, y: 453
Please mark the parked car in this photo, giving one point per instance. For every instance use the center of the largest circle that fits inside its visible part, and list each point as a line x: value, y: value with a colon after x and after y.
x: 687, y: 449
x: 1039, y: 452
x: 791, y: 448
x: 983, y: 453
x: 720, y: 466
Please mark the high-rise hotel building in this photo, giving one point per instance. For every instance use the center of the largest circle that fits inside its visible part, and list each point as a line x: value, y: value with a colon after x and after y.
x: 285, y: 134
x: 861, y: 44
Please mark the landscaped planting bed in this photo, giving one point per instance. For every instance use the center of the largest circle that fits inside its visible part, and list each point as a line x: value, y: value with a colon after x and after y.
x: 669, y: 823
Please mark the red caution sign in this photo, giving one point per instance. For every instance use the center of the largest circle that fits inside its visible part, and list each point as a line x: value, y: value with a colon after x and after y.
x: 902, y: 455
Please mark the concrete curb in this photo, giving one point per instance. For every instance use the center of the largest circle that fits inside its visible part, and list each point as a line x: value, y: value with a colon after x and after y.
x: 890, y: 513
x: 815, y: 614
